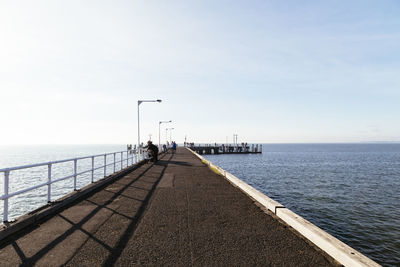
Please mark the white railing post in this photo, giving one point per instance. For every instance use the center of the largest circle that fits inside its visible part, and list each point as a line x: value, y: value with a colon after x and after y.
x: 49, y: 183
x: 75, y: 172
x: 6, y: 181
x: 105, y: 164
x: 127, y: 158
x: 121, y: 159
x: 114, y: 162
x: 92, y: 169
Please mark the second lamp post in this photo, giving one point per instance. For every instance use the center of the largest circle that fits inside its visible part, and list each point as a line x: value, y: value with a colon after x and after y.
x: 138, y: 120
x: 159, y: 131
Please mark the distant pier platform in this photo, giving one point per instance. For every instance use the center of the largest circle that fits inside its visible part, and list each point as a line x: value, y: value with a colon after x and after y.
x: 209, y: 149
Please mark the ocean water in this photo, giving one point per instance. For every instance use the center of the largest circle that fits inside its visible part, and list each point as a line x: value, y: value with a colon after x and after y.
x: 11, y: 156
x: 352, y: 191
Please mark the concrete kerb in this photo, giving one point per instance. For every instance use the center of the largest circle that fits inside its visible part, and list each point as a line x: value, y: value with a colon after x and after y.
x: 338, y: 250
x: 39, y: 214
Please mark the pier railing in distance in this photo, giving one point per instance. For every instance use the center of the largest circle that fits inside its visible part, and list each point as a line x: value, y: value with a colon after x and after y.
x: 130, y: 159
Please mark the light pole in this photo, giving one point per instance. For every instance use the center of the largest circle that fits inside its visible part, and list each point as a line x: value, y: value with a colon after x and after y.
x: 138, y: 119
x: 170, y: 134
x: 159, y: 130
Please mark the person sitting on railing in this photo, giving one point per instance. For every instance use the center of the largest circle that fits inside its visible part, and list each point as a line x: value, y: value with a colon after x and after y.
x: 152, y: 151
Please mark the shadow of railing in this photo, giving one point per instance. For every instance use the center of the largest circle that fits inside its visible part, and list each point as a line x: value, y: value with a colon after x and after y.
x: 117, y: 250
x: 114, y: 251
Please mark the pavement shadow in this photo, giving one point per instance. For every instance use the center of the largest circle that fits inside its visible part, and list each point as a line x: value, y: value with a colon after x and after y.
x: 180, y: 163
x: 115, y: 251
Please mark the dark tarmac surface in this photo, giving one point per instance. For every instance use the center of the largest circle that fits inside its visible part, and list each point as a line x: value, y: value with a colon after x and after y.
x: 176, y: 212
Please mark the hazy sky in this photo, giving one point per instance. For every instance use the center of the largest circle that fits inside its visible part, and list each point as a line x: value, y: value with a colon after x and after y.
x: 71, y: 72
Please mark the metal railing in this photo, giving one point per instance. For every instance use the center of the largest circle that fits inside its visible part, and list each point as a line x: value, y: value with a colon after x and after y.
x: 130, y: 159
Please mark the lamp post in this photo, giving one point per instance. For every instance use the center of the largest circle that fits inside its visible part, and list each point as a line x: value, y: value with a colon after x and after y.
x: 138, y: 119
x: 159, y: 131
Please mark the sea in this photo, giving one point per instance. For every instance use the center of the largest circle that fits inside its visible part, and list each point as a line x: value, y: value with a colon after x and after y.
x: 351, y: 191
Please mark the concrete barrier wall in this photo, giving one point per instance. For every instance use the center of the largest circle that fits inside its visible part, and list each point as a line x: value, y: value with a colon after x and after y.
x: 338, y: 250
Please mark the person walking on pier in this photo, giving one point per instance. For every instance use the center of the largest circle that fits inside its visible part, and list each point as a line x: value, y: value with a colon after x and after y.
x: 173, y: 147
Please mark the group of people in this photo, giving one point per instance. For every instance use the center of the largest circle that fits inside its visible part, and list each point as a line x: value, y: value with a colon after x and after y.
x: 152, y: 150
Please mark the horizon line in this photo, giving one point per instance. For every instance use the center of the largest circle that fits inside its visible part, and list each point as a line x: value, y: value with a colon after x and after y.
x: 267, y: 143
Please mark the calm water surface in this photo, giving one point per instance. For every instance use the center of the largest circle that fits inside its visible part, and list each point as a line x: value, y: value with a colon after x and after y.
x: 351, y: 191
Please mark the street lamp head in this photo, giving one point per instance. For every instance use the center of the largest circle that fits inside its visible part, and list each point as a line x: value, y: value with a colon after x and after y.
x: 141, y: 101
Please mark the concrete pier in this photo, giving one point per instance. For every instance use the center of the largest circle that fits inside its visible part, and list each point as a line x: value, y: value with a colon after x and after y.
x: 175, y: 212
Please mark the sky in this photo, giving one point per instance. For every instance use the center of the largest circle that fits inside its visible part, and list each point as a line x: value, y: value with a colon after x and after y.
x: 71, y: 72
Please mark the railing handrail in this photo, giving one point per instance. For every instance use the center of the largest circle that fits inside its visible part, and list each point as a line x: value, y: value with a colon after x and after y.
x: 56, y: 161
x: 2, y: 197
x: 7, y: 195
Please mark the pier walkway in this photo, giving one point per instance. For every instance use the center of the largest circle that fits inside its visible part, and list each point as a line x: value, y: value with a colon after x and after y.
x: 175, y: 212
